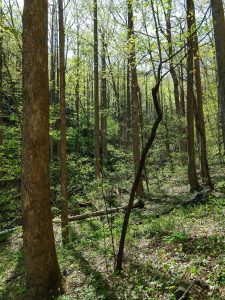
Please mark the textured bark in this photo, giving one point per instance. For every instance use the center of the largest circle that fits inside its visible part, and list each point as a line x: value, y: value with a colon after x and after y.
x: 192, y: 174
x: 77, y: 92
x: 57, y: 96
x: 172, y: 69
x: 43, y: 276
x: 88, y: 99
x: 147, y: 102
x: 116, y: 91
x: 120, y: 106
x: 134, y: 93
x: 183, y: 114
x: 219, y: 33
x: 124, y: 104
x: 63, y: 150
x: 128, y: 111
x: 1, y: 83
x: 96, y: 93
x: 103, y: 101
x: 52, y: 69
x: 182, y: 94
x: 200, y: 120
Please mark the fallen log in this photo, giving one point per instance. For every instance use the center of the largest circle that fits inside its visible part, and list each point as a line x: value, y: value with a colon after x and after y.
x: 6, y: 233
x: 139, y: 204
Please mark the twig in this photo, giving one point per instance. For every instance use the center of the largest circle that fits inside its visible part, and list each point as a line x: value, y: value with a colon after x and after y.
x: 187, y: 290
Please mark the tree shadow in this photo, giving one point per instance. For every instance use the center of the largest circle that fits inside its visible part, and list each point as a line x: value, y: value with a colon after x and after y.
x: 14, y: 285
x: 154, y: 281
x: 212, y: 245
x: 103, y: 288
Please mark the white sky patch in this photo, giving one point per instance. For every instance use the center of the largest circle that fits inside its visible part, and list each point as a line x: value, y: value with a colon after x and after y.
x: 20, y: 2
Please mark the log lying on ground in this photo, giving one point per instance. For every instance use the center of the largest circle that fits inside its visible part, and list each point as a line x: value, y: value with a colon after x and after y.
x: 6, y: 233
x: 139, y: 204
x: 200, y: 198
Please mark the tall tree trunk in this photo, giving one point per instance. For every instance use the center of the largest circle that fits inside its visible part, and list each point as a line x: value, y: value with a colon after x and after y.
x: 96, y: 93
x: 147, y: 102
x: 175, y: 79
x: 200, y: 120
x: 77, y: 91
x: 57, y: 86
x: 88, y: 99
x: 63, y: 150
x: 116, y: 91
x: 124, y: 103
x: 134, y: 92
x: 52, y: 69
x: 128, y: 115
x: 103, y: 101
x: 1, y: 84
x: 43, y: 275
x: 182, y: 109
x: 119, y: 106
x: 192, y: 174
x: 219, y: 33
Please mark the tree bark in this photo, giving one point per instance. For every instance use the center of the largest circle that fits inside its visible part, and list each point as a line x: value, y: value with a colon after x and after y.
x: 96, y: 93
x: 200, y: 120
x: 63, y: 150
x: 52, y: 70
x: 1, y: 85
x: 192, y: 174
x: 219, y: 33
x: 175, y: 80
x: 43, y: 275
x: 134, y: 92
x: 128, y: 111
x: 103, y: 101
x: 77, y: 91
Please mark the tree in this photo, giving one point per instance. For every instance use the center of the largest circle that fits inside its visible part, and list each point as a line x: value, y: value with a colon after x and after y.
x: 53, y: 47
x: 63, y: 151
x: 155, y: 90
x: 200, y: 120
x: 219, y: 32
x: 77, y: 90
x: 43, y: 275
x: 103, y: 100
x: 174, y: 76
x: 128, y: 110
x: 96, y: 93
x: 192, y: 174
x: 134, y: 91
x: 1, y: 79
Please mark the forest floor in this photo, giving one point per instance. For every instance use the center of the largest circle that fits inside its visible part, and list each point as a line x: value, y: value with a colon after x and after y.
x: 165, y: 253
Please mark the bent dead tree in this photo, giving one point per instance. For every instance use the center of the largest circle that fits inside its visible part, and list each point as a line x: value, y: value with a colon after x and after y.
x: 141, y: 165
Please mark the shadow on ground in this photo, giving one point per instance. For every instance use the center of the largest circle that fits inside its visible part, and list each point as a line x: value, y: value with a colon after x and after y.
x: 13, y: 287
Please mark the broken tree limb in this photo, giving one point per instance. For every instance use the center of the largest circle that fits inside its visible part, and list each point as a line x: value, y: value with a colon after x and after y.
x: 99, y: 213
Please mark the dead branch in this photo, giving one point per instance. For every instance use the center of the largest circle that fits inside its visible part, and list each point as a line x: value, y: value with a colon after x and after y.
x: 99, y: 213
